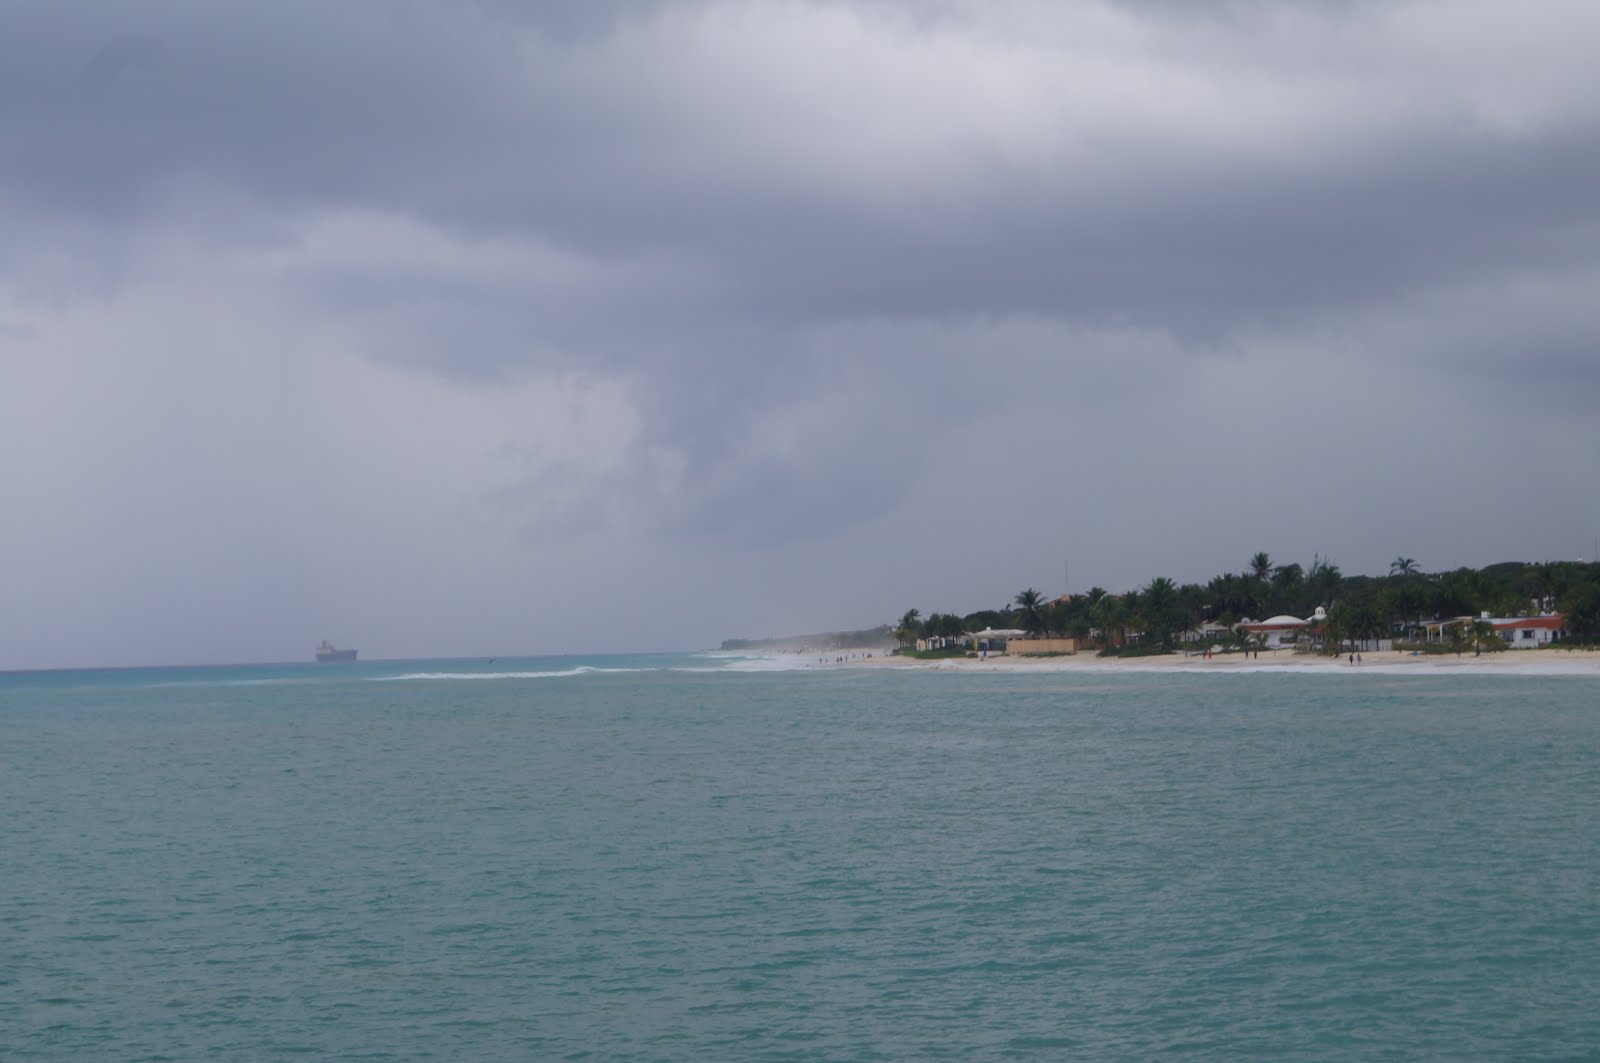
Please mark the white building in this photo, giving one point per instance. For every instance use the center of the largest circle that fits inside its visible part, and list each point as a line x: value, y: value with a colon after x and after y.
x: 1528, y: 632
x: 1283, y: 630
x: 1517, y: 632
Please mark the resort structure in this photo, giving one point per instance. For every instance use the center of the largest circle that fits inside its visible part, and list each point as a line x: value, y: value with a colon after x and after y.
x: 1516, y: 632
x: 1283, y: 630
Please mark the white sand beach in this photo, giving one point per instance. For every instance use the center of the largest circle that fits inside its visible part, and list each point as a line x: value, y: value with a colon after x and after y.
x: 1506, y: 662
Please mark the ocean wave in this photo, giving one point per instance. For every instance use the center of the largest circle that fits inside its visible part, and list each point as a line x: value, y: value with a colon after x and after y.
x: 752, y: 664
x: 732, y: 661
x: 174, y: 684
x: 563, y: 673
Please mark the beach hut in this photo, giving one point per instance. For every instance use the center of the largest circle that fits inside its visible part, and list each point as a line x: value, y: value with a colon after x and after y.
x: 993, y: 640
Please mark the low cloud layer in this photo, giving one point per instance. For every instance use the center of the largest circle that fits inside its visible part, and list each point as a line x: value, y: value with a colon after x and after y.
x: 464, y: 328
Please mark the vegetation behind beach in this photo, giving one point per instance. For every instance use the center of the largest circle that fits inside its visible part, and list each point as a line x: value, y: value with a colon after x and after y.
x: 1360, y: 609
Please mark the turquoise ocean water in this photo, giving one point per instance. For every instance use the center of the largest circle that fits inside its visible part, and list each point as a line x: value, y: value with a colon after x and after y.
x: 686, y: 858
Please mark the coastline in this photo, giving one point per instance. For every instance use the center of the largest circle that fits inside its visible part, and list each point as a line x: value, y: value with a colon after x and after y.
x: 1581, y: 662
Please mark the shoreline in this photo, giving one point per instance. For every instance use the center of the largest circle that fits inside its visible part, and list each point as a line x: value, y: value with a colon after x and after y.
x: 1582, y: 662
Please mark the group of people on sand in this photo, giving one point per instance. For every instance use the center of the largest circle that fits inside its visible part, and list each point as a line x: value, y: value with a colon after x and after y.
x: 1210, y: 652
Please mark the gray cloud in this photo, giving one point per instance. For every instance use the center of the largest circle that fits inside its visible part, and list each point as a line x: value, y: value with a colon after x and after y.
x: 725, y: 304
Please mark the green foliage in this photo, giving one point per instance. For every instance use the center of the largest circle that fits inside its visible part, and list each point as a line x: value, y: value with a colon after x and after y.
x: 1482, y: 635
x: 1030, y: 611
x: 1324, y: 582
x: 986, y: 618
x: 1070, y: 618
x: 1361, y: 609
x: 1581, y: 603
x: 1162, y: 614
x: 1260, y: 566
x: 909, y: 629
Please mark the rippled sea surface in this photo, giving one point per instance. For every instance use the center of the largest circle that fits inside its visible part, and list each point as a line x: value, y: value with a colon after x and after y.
x: 550, y: 859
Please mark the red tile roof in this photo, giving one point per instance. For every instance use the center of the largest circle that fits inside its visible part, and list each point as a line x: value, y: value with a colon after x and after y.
x: 1549, y: 623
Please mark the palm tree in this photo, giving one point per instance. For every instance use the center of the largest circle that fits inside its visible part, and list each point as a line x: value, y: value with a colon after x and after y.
x: 1403, y: 566
x: 1256, y: 588
x: 1286, y: 583
x: 1110, y: 615
x: 1159, y: 606
x: 1071, y: 618
x: 1362, y: 623
x: 1482, y: 635
x: 1324, y: 580
x: 1334, y: 632
x: 910, y: 627
x: 1029, y: 602
x: 1228, y: 595
x: 1248, y: 641
x: 1409, y: 603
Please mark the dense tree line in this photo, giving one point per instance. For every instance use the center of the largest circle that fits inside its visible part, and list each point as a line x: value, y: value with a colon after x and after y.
x: 1359, y: 608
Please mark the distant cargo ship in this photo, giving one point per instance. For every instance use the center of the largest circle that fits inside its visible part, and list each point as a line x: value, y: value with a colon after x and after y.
x: 328, y: 655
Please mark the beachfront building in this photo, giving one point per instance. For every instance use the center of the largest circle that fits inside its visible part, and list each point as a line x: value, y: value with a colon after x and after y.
x: 1529, y: 632
x: 1439, y: 630
x: 1276, y: 632
x: 993, y: 640
x: 1209, y: 631
x: 1040, y: 646
x: 1517, y: 632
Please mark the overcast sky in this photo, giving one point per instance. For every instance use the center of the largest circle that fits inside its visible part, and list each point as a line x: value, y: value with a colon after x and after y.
x: 450, y: 328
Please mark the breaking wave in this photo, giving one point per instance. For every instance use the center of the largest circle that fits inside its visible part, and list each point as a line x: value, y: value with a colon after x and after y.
x: 563, y: 673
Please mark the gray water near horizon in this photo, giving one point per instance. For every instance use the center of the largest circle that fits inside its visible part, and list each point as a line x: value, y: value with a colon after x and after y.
x: 853, y: 864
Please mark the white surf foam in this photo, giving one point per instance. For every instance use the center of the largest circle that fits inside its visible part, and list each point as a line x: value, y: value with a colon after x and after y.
x: 453, y: 676
x: 747, y: 661
x: 753, y: 664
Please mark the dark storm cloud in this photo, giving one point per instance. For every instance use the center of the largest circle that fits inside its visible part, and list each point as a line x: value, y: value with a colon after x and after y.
x: 494, y: 120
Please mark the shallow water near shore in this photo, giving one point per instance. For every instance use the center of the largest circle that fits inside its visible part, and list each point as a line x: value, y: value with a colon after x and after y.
x: 693, y: 857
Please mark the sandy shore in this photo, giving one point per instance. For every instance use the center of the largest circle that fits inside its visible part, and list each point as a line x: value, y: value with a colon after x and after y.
x: 1508, y: 662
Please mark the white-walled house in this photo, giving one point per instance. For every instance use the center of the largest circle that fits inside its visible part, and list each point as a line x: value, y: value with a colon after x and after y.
x: 1529, y: 632
x: 1209, y: 631
x: 1517, y: 632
